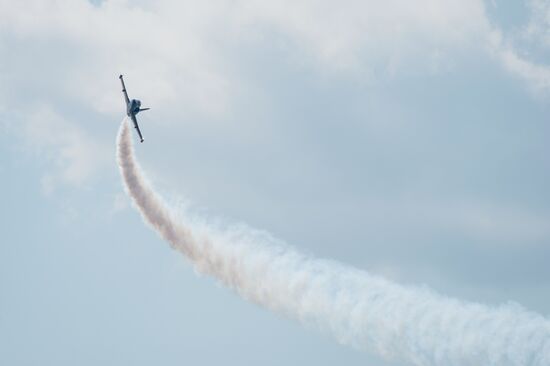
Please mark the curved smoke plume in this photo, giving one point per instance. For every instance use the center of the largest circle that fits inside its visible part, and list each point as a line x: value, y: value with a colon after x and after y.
x: 365, y: 311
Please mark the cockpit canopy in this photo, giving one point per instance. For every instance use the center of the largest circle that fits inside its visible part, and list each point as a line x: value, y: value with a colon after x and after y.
x: 134, y: 106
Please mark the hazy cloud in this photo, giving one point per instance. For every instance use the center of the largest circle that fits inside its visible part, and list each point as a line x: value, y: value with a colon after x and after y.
x: 74, y: 155
x: 184, y: 53
x: 538, y: 28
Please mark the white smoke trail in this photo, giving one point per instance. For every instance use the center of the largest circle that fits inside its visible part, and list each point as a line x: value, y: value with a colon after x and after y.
x: 368, y: 312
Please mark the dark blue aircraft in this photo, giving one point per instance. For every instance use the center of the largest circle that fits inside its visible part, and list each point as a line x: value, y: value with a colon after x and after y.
x: 133, y: 107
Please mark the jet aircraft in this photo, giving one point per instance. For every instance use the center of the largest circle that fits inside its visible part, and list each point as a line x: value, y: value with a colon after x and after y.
x: 133, y: 107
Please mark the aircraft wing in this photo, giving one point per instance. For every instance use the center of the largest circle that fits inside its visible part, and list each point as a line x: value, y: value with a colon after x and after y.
x: 124, y: 91
x: 134, y: 119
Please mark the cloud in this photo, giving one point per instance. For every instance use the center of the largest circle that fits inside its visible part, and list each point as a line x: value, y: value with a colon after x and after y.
x: 166, y: 56
x: 538, y: 28
x: 358, y: 34
x: 75, y: 156
x: 186, y: 58
x: 188, y: 53
x: 399, y: 37
x: 536, y: 75
x: 513, y: 49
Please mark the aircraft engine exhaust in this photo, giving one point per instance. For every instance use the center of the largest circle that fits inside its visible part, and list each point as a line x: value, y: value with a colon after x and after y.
x: 408, y: 323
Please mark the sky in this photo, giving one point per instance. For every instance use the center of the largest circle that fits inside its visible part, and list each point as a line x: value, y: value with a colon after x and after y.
x: 408, y: 139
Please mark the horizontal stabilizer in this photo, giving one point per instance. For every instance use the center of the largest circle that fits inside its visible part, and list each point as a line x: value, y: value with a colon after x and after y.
x: 144, y: 109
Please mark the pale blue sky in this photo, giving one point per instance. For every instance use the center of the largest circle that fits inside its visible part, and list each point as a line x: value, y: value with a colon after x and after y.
x: 407, y: 140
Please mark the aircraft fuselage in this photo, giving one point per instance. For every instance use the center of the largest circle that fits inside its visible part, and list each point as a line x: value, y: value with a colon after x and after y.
x: 133, y: 107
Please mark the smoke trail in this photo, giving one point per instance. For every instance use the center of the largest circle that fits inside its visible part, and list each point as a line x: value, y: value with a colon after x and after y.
x: 365, y: 311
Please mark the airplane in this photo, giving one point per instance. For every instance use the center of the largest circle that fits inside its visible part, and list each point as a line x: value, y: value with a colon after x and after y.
x: 133, y: 107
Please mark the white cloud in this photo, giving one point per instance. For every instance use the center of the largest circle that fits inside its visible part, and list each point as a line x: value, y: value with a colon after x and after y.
x: 75, y: 157
x: 538, y: 28
x: 538, y: 76
x: 401, y: 36
x: 166, y: 56
x: 183, y: 57
x: 180, y: 48
x: 181, y: 53
x: 354, y: 34
x: 510, y: 48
